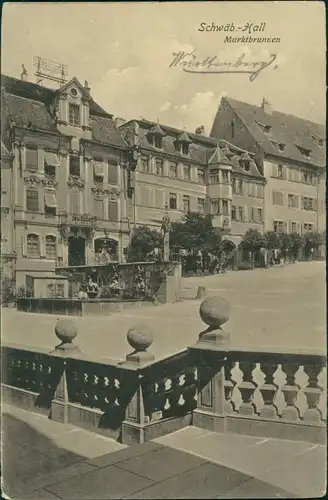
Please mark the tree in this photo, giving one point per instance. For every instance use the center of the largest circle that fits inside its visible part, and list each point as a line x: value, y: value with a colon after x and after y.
x: 312, y: 240
x: 143, y: 244
x: 272, y: 240
x: 196, y: 233
x: 252, y: 241
x: 286, y: 244
x: 296, y: 245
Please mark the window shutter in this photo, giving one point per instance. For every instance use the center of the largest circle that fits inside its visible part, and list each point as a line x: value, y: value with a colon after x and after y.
x: 112, y: 173
x: 98, y: 206
x: 31, y: 159
x: 245, y: 218
x: 42, y: 246
x: 112, y: 210
x: 59, y: 248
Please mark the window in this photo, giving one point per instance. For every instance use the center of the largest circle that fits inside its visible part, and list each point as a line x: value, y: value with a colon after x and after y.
x: 185, y: 148
x: 278, y: 145
x: 50, y: 204
x: 173, y: 201
x: 186, y: 203
x: 74, y: 201
x: 241, y: 213
x: 98, y: 171
x: 74, y: 165
x: 173, y: 170
x: 112, y: 172
x: 32, y: 200
x: 278, y: 226
x: 200, y: 175
x: 215, y: 206
x: 292, y: 201
x: 60, y: 290
x: 240, y: 187
x: 50, y: 171
x: 264, y: 128
x: 307, y: 228
x: 186, y: 172
x: 280, y: 171
x: 245, y: 164
x: 200, y: 205
x: 308, y: 203
x: 32, y: 158
x: 158, y: 142
x: 278, y: 198
x: 257, y: 214
x: 259, y: 191
x: 308, y: 177
x: 293, y: 227
x: 305, y: 152
x: 74, y: 115
x: 233, y: 213
x: 159, y: 166
x: 112, y: 210
x: 98, y: 208
x: 33, y: 245
x: 225, y: 177
x: 144, y: 165
x: 225, y: 207
x: 51, y: 247
x: 214, y: 176
x: 234, y: 186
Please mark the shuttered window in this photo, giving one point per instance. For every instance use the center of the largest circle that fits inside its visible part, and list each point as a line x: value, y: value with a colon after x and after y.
x: 32, y: 200
x: 74, y: 201
x: 112, y: 172
x: 98, y: 208
x: 51, y: 247
x: 112, y: 210
x: 31, y: 158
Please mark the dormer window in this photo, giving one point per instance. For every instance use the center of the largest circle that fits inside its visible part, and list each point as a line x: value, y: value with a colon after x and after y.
x: 74, y: 115
x: 318, y: 140
x: 155, y: 136
x: 182, y: 143
x: 265, y: 128
x: 304, y: 151
x: 278, y: 145
x: 245, y: 161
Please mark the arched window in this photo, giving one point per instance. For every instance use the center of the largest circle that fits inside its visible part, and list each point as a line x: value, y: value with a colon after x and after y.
x: 51, y: 247
x: 33, y: 245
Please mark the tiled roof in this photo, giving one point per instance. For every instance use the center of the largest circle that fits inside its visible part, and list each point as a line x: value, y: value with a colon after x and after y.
x: 105, y: 131
x: 202, y: 150
x: 285, y: 129
x: 30, y: 114
x: 31, y: 90
x: 156, y: 130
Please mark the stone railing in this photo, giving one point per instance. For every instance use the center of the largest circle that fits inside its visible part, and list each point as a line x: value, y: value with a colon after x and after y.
x: 132, y: 401
x: 213, y: 384
x: 277, y: 393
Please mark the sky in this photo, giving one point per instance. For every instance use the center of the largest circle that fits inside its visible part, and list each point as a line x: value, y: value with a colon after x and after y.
x: 124, y: 51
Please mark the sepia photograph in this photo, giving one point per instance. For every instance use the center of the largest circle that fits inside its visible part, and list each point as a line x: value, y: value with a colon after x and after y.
x: 163, y: 250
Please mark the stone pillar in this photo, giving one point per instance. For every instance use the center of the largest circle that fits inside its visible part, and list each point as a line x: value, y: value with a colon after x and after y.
x: 166, y: 246
x: 214, y: 382
x: 133, y: 427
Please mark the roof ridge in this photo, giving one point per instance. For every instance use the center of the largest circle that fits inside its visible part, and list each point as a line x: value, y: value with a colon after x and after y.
x: 25, y: 98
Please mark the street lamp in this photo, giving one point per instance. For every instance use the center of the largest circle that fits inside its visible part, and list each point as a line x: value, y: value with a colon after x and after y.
x: 166, y: 222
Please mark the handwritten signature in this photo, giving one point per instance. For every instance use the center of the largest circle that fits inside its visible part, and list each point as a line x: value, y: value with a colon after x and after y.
x: 189, y: 63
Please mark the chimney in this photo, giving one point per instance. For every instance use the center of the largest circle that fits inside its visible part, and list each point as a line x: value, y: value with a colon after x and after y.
x: 119, y: 121
x: 266, y: 106
x: 200, y: 130
x: 24, y: 75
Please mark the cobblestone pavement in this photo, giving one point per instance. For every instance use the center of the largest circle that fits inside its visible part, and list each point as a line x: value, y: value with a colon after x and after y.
x: 278, y: 307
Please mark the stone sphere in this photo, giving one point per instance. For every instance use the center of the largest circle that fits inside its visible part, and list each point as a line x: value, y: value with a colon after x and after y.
x: 66, y: 330
x: 214, y: 311
x: 140, y: 337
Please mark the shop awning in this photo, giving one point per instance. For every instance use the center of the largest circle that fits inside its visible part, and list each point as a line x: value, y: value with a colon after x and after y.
x: 98, y: 169
x: 51, y: 159
x: 50, y: 200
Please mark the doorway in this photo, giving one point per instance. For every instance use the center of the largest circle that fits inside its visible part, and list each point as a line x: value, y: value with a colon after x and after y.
x: 76, y: 251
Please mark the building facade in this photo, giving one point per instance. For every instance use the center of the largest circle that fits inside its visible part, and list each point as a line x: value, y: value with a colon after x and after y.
x: 290, y: 153
x: 8, y: 255
x: 67, y: 179
x: 179, y: 172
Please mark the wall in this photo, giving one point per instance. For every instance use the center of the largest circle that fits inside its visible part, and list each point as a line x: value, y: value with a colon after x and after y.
x: 7, y: 218
x: 284, y: 213
x: 247, y: 201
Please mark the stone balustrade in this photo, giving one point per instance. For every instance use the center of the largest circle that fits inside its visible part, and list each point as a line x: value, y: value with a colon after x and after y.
x: 214, y: 384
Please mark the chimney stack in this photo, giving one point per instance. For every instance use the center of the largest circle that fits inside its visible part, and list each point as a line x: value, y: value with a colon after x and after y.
x: 266, y: 106
x: 119, y: 121
x: 24, y: 75
x: 200, y: 130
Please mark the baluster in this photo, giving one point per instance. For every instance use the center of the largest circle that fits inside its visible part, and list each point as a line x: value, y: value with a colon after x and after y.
x: 229, y: 384
x: 268, y: 391
x: 290, y: 392
x: 312, y: 393
x: 247, y: 388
